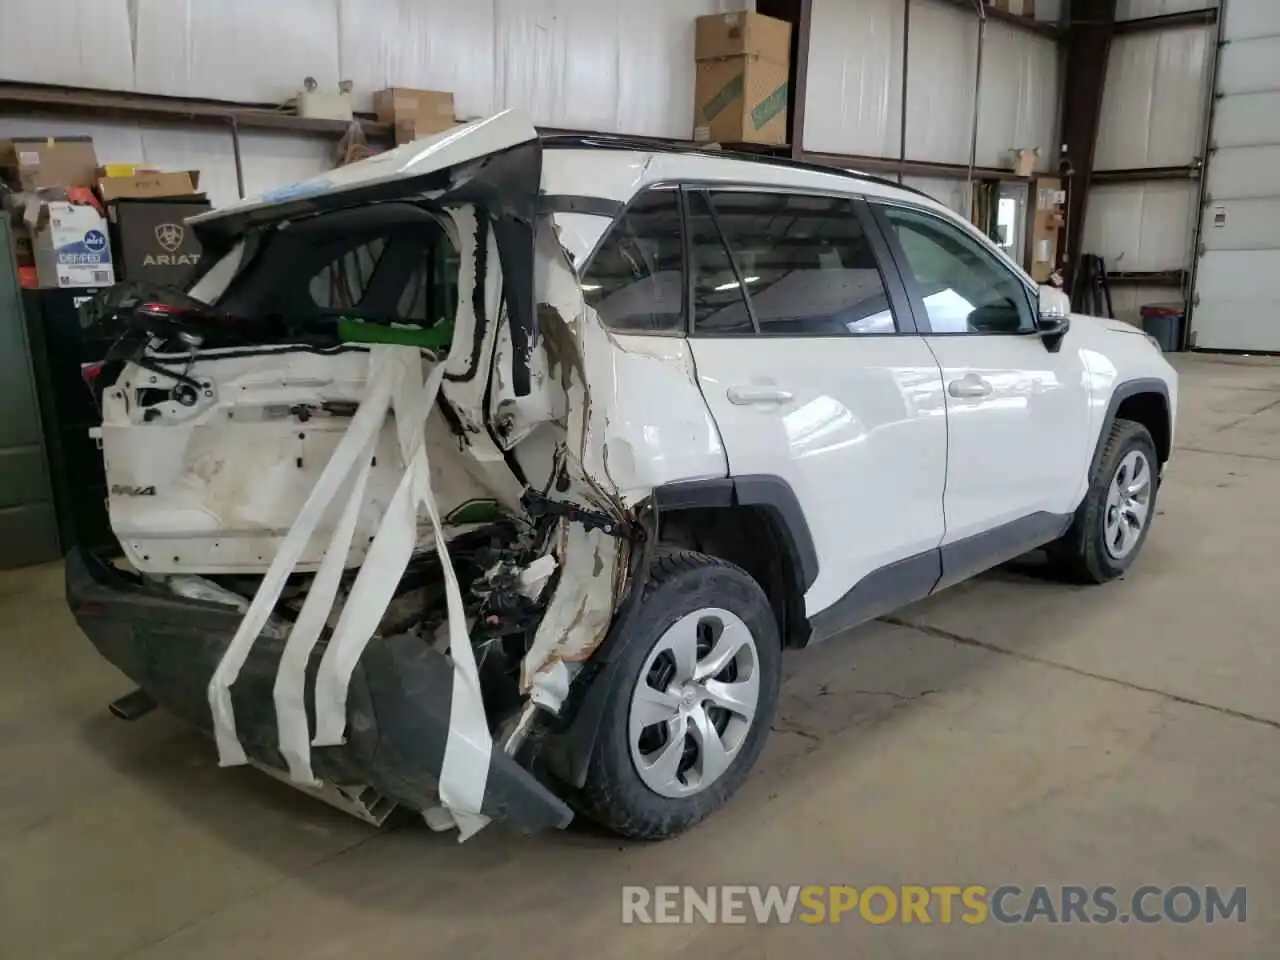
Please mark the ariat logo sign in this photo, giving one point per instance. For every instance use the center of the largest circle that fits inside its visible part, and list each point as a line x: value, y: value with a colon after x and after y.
x: 170, y: 235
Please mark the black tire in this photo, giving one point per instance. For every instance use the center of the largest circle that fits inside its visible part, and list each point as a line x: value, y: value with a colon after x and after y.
x: 1081, y: 555
x: 680, y: 583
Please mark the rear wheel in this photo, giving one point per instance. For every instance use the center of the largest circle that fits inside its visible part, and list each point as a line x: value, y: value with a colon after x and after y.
x: 1112, y: 523
x: 694, y: 694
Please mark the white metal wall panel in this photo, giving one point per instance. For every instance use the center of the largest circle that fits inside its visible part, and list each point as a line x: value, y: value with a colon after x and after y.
x: 1249, y: 118
x: 942, y: 57
x: 1245, y: 172
x: 950, y: 193
x: 1142, y: 226
x: 1017, y: 95
x: 570, y: 63
x: 1136, y: 9
x: 246, y: 50
x: 75, y: 43
x: 1237, y: 295
x: 1153, y: 99
x: 583, y: 63
x: 854, y: 96
x: 1252, y: 18
x: 428, y: 44
x: 1251, y: 66
x: 1242, y: 224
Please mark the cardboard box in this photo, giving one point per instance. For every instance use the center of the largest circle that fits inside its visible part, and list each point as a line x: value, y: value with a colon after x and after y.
x: 409, y: 130
x: 740, y: 99
x: 34, y: 162
x: 742, y: 34
x: 405, y: 103
x: 1046, y: 226
x: 152, y: 241
x: 70, y: 246
x: 147, y: 183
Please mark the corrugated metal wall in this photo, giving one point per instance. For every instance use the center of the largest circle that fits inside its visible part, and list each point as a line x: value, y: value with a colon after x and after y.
x: 583, y: 64
x: 1153, y: 112
x: 587, y: 64
x: 854, y: 102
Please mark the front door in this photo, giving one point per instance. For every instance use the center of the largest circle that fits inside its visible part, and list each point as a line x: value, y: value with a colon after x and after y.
x: 1017, y: 411
x: 813, y: 373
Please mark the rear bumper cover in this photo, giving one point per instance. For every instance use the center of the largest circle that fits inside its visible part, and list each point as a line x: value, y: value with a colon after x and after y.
x: 398, y: 705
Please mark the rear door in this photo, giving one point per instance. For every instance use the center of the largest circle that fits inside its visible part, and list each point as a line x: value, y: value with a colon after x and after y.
x: 810, y: 365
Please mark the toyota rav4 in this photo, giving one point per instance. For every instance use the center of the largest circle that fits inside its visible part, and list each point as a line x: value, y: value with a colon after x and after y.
x: 491, y: 476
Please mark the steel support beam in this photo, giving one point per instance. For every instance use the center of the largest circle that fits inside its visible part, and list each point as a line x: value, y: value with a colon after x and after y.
x: 1089, y: 33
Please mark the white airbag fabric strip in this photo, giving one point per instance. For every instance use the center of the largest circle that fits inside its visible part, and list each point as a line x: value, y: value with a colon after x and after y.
x: 366, y: 423
x: 465, y: 767
x: 290, y: 687
x: 395, y: 383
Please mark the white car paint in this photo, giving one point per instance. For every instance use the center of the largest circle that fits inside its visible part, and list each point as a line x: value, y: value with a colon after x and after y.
x: 1022, y: 446
x: 856, y: 426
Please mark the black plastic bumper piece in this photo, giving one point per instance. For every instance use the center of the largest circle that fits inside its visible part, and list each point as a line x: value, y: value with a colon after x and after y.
x: 397, y: 709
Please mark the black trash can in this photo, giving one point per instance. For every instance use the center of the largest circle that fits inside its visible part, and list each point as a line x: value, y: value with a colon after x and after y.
x: 1164, y: 322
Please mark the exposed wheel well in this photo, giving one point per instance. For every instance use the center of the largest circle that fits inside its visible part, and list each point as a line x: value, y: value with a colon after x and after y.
x: 1151, y: 409
x: 748, y: 537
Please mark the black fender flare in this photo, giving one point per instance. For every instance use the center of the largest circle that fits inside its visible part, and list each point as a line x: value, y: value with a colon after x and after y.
x: 1122, y: 392
x: 568, y: 752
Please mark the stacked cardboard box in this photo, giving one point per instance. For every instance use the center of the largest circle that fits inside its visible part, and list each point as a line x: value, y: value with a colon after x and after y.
x: 414, y: 113
x: 147, y: 210
x: 742, y: 73
x: 61, y: 231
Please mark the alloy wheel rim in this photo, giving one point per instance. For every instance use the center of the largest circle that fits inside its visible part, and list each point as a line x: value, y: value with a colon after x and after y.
x: 1128, y: 505
x: 694, y: 703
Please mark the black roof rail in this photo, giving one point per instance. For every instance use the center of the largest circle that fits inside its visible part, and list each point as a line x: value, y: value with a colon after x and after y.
x: 613, y: 141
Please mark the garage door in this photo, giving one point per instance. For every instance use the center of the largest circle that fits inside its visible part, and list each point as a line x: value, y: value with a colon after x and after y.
x: 1237, y: 305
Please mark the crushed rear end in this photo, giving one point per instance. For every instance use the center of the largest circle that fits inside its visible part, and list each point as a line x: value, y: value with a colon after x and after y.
x: 369, y: 538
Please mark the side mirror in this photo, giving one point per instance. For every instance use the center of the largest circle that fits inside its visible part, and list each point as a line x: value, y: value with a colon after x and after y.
x: 1053, y: 317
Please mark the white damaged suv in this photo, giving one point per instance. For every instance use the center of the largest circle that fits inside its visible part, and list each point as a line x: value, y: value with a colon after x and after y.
x: 491, y: 476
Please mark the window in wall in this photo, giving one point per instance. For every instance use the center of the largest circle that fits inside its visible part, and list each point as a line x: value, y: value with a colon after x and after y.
x: 635, y: 281
x: 806, y: 262
x: 965, y: 288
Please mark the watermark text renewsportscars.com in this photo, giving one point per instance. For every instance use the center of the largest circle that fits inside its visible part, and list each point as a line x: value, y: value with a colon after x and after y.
x: 934, y: 904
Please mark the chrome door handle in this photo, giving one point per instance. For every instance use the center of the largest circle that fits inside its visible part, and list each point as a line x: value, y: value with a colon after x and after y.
x: 967, y: 388
x: 746, y: 395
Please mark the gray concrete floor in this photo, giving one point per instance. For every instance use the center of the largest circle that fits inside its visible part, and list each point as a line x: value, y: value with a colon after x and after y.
x: 1009, y: 731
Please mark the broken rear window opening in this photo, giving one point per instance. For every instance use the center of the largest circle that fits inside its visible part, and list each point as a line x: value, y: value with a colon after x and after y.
x: 387, y: 273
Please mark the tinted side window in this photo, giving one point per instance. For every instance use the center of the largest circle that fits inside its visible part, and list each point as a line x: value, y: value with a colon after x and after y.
x: 719, y: 309
x: 807, y: 265
x: 965, y: 288
x: 635, y: 281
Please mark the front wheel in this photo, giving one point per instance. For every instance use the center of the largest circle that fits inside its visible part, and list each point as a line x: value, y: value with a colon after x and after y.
x: 692, y: 701
x: 1112, y: 523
